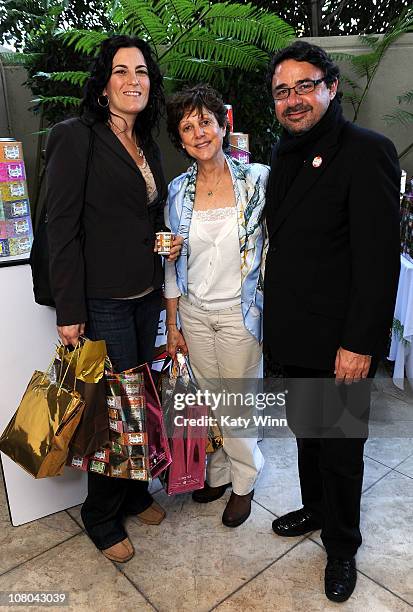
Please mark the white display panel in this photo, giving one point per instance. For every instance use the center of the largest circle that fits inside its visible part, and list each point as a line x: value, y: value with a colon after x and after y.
x: 28, y: 337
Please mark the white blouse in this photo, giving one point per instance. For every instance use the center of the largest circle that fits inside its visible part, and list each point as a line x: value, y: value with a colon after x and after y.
x: 214, y: 269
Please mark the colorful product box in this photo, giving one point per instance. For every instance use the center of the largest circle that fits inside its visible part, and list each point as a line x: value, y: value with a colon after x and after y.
x: 116, y: 448
x: 97, y: 466
x: 18, y: 208
x: 17, y: 228
x: 80, y: 463
x: 12, y: 172
x: 113, y: 401
x: 102, y: 455
x: 3, y: 230
x: 133, y: 439
x: 116, y: 426
x: 119, y: 471
x: 4, y: 248
x: 133, y: 389
x: 138, y: 474
x: 20, y: 246
x: 15, y: 190
x: 11, y: 151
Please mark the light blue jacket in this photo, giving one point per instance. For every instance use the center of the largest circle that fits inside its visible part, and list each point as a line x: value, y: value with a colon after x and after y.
x: 249, y: 181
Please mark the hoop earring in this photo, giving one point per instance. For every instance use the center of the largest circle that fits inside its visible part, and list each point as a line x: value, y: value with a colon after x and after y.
x: 105, y: 98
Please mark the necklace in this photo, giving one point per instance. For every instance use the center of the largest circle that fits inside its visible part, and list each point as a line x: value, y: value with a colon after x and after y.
x: 138, y: 148
x: 210, y: 193
x: 119, y: 132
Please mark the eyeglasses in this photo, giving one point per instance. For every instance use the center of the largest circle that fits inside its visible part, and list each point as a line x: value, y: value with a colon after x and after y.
x: 305, y: 87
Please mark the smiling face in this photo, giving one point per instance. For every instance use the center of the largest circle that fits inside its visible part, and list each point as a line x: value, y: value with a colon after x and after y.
x: 129, y: 85
x: 299, y: 113
x: 201, y: 134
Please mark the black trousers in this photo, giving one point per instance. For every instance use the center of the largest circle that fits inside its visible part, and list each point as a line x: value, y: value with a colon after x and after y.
x: 129, y: 328
x: 330, y: 443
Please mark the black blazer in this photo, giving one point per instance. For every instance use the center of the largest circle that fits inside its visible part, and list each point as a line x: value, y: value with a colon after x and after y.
x: 104, y: 248
x: 333, y: 262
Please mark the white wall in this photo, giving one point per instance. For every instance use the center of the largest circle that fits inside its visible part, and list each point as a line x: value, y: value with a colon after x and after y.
x: 28, y: 337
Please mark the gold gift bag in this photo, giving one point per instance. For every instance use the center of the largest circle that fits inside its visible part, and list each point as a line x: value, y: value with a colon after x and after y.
x: 38, y: 435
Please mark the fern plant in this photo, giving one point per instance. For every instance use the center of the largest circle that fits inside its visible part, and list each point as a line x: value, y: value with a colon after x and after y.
x: 365, y: 65
x: 402, y: 116
x: 193, y: 40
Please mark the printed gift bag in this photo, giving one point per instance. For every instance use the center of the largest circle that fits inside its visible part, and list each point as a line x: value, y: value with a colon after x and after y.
x: 137, y: 446
x: 187, y: 429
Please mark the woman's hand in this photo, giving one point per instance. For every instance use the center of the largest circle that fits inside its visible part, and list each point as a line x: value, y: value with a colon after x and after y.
x: 176, y: 248
x: 69, y: 334
x: 175, y: 341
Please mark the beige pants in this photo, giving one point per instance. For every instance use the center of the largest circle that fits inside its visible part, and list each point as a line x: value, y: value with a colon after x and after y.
x: 223, y: 354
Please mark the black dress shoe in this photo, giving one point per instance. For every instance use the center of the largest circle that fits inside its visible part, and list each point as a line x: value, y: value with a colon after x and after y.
x: 209, y: 494
x: 296, y: 523
x: 237, y: 509
x: 340, y: 578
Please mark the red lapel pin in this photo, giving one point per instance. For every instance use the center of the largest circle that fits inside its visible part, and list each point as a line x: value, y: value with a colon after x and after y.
x: 317, y: 161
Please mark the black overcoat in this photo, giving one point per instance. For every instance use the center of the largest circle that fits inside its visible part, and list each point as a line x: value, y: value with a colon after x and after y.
x: 333, y: 261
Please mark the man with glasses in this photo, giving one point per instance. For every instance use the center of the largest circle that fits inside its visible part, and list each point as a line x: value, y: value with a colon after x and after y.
x: 330, y: 285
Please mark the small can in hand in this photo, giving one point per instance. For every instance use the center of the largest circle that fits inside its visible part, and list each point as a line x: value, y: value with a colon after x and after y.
x: 164, y: 242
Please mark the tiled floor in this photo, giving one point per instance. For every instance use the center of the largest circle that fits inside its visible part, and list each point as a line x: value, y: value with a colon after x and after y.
x: 191, y: 562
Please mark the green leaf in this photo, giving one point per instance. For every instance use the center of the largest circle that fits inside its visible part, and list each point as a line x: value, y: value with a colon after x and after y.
x: 399, y: 117
x: 57, y: 100
x: 19, y: 59
x: 204, y: 45
x: 369, y: 40
x: 85, y: 41
x: 351, y: 98
x: 73, y: 77
x: 180, y: 14
x: 345, y: 80
x: 342, y: 57
x: 248, y: 24
x: 138, y: 18
x: 181, y: 67
x: 407, y: 97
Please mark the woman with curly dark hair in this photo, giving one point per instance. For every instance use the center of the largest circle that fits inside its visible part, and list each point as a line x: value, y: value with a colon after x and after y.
x: 215, y: 288
x: 105, y: 197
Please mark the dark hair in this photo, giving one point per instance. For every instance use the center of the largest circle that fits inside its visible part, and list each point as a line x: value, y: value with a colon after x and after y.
x: 302, y: 51
x: 100, y: 74
x: 195, y: 98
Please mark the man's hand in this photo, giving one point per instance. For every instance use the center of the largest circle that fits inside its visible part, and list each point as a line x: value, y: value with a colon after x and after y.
x: 351, y: 367
x: 69, y: 334
x: 175, y: 341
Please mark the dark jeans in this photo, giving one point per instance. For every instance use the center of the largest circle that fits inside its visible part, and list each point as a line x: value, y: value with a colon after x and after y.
x: 330, y: 468
x: 129, y: 328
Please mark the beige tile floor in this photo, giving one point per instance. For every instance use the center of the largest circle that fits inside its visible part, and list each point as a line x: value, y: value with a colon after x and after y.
x: 191, y: 562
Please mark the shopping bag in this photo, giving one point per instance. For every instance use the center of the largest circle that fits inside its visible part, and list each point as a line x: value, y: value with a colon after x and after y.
x: 187, y: 427
x: 163, y: 363
x: 88, y: 369
x: 137, y: 445
x: 38, y: 435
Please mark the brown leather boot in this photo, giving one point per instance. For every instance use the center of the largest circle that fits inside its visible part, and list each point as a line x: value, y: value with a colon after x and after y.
x: 237, y: 509
x: 121, y: 552
x: 209, y: 494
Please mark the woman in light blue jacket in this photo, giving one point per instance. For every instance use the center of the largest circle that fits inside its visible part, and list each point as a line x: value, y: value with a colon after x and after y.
x: 216, y: 284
